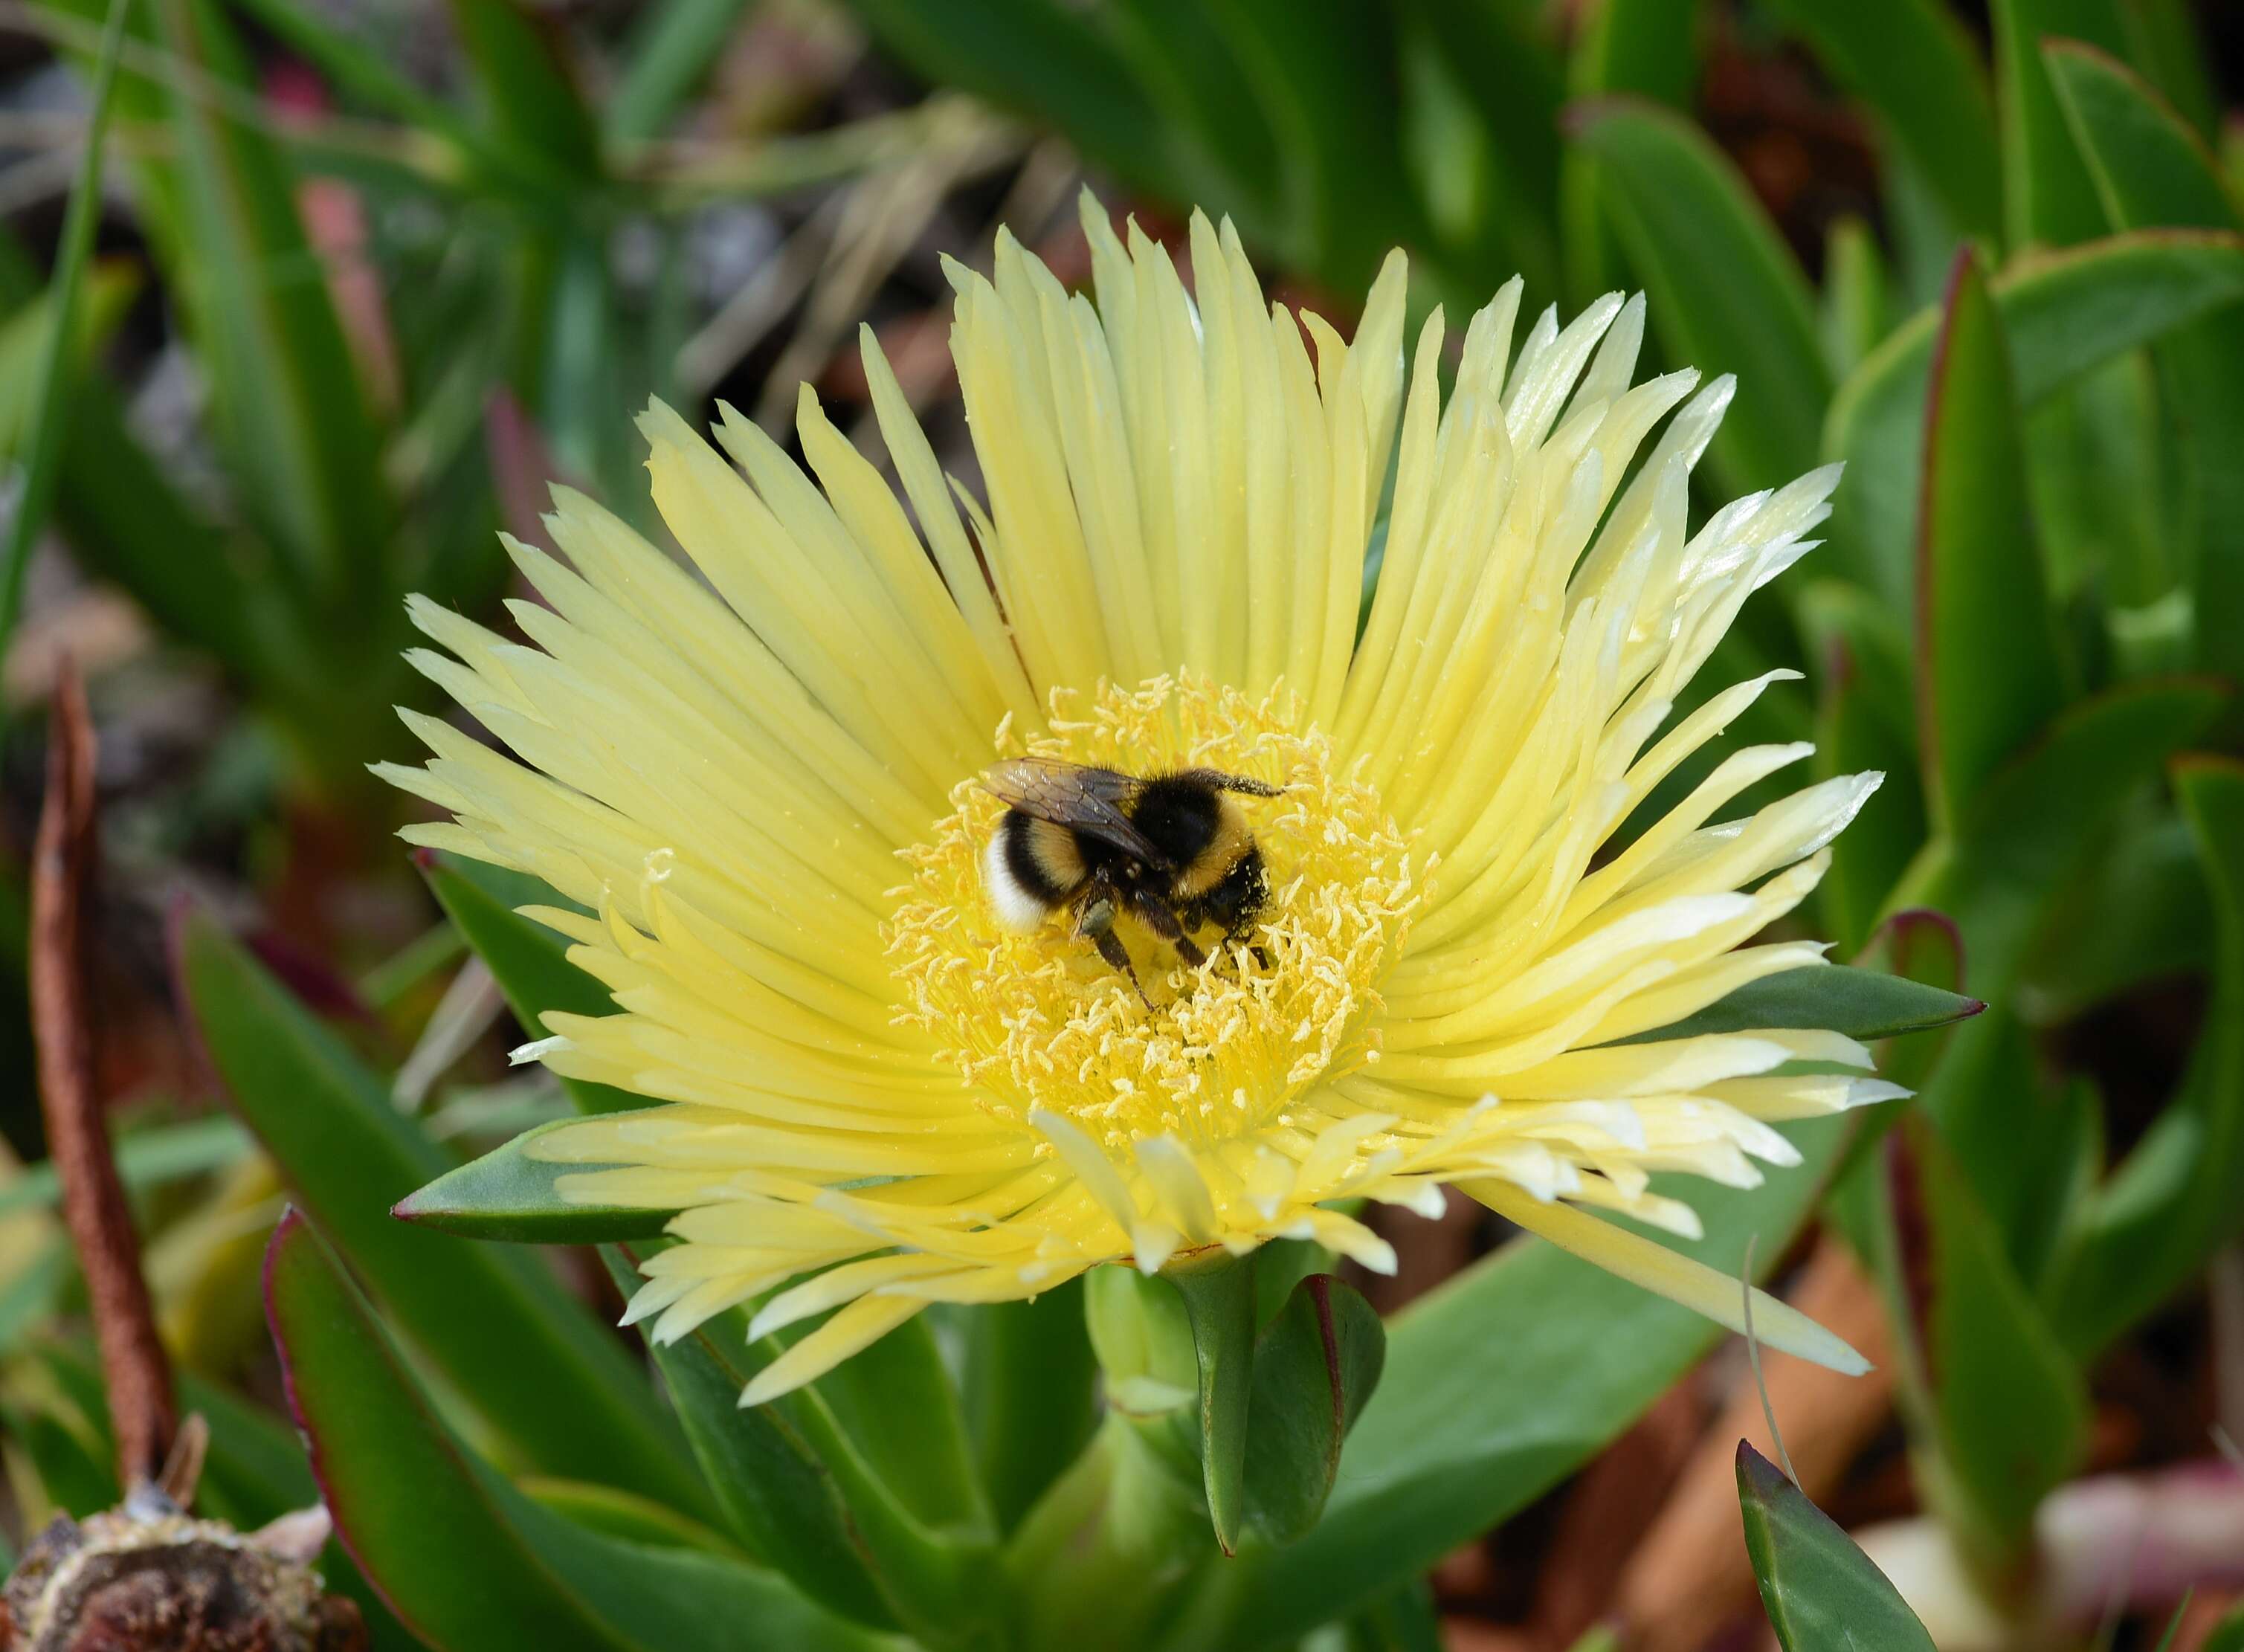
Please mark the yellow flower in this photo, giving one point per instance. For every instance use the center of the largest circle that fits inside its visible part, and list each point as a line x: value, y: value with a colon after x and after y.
x: 764, y: 782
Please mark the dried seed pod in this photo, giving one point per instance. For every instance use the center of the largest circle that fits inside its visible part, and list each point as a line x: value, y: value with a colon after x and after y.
x: 145, y: 1577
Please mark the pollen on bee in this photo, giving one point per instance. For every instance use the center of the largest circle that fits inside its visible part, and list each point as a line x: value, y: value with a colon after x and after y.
x: 1038, y: 1021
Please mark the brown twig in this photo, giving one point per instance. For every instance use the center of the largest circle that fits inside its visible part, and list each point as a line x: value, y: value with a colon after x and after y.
x: 134, y: 1369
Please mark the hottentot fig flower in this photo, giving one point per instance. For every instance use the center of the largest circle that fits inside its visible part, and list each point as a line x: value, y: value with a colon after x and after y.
x: 756, y: 778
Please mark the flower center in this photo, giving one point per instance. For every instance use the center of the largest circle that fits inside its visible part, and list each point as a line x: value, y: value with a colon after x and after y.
x: 1040, y: 1019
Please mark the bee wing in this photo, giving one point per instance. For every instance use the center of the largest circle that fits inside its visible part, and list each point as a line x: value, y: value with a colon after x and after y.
x: 1071, y: 794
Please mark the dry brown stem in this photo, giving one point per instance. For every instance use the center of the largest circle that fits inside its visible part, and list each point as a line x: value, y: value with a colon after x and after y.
x: 134, y: 1369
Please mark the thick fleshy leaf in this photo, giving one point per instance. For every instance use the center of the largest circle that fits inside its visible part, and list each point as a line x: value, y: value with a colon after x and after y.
x: 857, y: 1485
x: 1219, y: 1297
x: 1865, y: 722
x: 1316, y: 1366
x: 778, y: 1496
x: 1915, y: 63
x: 425, y: 1516
x: 1052, y: 63
x: 2140, y: 913
x: 2018, y: 850
x: 2046, y: 189
x: 1644, y: 48
x: 2173, y: 1199
x: 507, y: 1193
x: 1503, y: 62
x: 530, y: 962
x: 2029, y: 828
x: 1030, y: 1394
x: 2064, y: 313
x: 1999, y: 1405
x: 534, y: 1362
x: 1467, y: 1427
x: 1862, y: 1003
x: 2149, y: 167
x: 1819, y: 1590
x: 2152, y: 168
x: 1856, y: 294
x: 627, y: 1515
x: 1726, y: 292
x: 1338, y: 128
x: 1989, y: 673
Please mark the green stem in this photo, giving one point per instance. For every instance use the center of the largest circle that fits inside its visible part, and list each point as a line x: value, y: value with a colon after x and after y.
x: 1100, y: 1562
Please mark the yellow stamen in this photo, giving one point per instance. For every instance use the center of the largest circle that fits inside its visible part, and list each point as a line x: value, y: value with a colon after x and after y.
x: 1040, y: 1022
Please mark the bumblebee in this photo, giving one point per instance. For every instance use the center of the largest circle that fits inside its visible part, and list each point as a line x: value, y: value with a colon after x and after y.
x: 1173, y: 850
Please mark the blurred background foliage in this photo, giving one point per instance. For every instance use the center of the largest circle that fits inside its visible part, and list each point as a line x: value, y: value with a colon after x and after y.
x: 367, y: 275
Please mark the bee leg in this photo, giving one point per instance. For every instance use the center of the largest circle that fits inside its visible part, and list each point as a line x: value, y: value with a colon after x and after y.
x: 1162, y: 921
x: 1111, y: 949
x: 1094, y: 921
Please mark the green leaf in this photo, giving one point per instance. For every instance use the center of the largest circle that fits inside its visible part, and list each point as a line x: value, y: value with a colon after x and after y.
x: 423, y: 1513
x: 1862, y: 1003
x: 2140, y: 913
x: 530, y: 962
x: 777, y: 1494
x: 2064, y: 315
x: 507, y: 1193
x: 2001, y: 1404
x: 547, y: 1377
x: 1502, y: 62
x: 48, y: 412
x: 1821, y: 1592
x: 1052, y: 64
x: 1498, y: 1383
x: 527, y: 96
x: 628, y: 1516
x: 1988, y: 672
x: 672, y: 47
x: 124, y: 521
x: 1648, y: 48
x: 290, y: 409
x: 107, y: 290
x: 1219, y: 1297
x: 856, y: 1485
x: 1316, y: 1366
x: 1177, y: 52
x: 361, y: 68
x: 1914, y: 63
x: 2046, y: 185
x: 2172, y: 1201
x: 2228, y: 1634
x: 73, y: 1474
x: 2151, y: 168
x: 1865, y: 723
x: 1854, y: 295
x: 1725, y: 293
x: 146, y: 1158
x: 1030, y: 1386
x: 2027, y: 833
